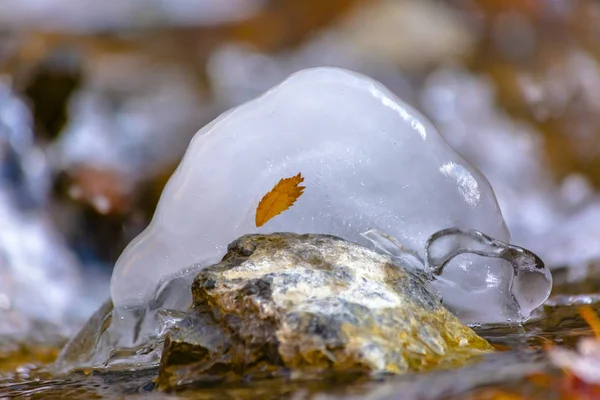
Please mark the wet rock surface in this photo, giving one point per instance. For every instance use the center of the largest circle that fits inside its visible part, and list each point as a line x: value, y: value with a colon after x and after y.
x: 304, y: 305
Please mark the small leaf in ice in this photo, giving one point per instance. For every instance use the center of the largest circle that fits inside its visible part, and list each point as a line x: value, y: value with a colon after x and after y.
x: 279, y: 199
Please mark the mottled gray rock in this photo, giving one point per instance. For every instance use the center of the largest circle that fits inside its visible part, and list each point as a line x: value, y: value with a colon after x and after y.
x: 310, y: 304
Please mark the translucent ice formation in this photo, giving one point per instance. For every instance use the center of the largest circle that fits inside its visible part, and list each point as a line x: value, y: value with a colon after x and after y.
x: 370, y: 162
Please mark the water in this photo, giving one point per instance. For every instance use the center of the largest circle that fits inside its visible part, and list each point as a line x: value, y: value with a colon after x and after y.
x: 520, y: 367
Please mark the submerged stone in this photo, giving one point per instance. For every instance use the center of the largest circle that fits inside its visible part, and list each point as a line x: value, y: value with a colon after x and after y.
x: 310, y: 304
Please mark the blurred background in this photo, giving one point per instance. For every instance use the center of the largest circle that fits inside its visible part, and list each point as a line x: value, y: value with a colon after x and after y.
x: 98, y: 100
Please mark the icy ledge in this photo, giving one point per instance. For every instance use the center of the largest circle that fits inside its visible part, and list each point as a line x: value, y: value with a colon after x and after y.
x: 370, y: 163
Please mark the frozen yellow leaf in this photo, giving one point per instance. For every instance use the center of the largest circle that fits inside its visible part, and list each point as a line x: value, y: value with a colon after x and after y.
x: 279, y: 199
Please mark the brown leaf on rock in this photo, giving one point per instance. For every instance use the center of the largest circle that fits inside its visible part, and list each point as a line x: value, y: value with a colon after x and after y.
x: 279, y: 199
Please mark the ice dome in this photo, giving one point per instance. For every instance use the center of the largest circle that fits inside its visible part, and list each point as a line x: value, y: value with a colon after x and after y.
x: 369, y: 162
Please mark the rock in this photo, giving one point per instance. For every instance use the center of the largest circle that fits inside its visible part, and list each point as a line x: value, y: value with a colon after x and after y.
x: 310, y: 305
